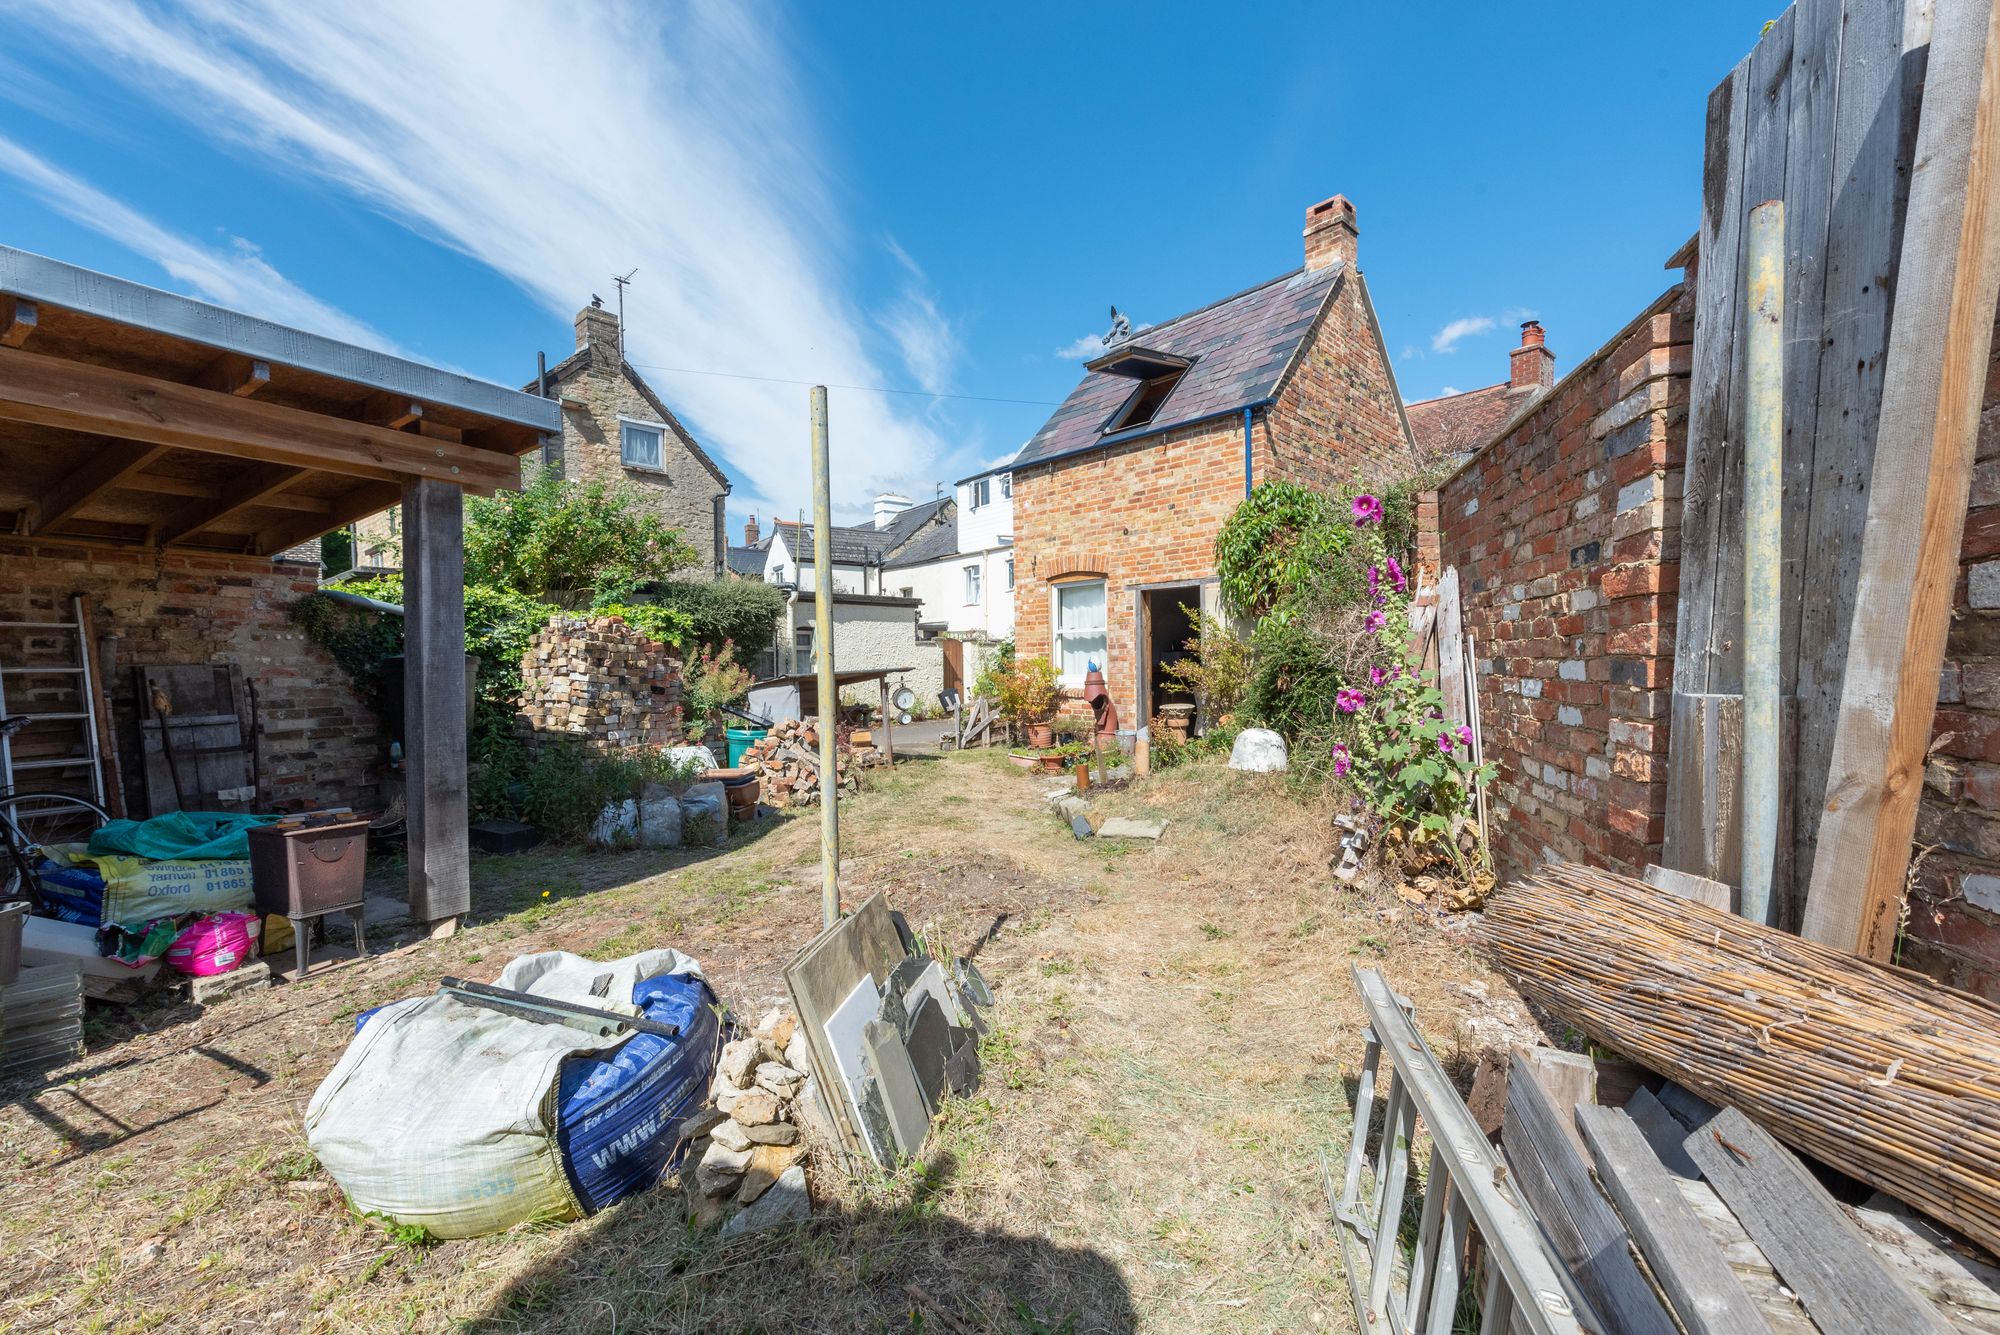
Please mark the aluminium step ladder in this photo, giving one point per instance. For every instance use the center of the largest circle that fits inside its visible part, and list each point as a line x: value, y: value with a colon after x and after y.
x: 28, y: 773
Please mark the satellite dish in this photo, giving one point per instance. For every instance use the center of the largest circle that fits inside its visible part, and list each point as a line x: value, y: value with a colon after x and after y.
x: 904, y: 698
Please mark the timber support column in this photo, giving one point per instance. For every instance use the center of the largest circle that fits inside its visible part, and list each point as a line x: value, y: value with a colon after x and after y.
x: 434, y: 732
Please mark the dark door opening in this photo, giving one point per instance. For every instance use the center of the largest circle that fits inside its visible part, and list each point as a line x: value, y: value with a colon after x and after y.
x: 1170, y: 624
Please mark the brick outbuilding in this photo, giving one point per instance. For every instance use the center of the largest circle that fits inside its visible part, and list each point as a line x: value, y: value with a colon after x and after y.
x: 1119, y: 496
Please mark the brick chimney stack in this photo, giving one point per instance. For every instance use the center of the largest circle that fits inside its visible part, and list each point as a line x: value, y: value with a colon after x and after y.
x: 597, y: 329
x: 750, y: 531
x: 1531, y: 366
x: 1331, y: 233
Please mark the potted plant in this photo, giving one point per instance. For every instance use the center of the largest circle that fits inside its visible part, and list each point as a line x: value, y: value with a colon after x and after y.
x: 710, y: 679
x: 1029, y: 696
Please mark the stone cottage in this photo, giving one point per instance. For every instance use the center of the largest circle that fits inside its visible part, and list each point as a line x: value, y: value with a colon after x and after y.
x: 1119, y: 496
x: 615, y: 430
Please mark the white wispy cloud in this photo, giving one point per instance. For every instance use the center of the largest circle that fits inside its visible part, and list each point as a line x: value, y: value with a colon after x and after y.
x: 695, y: 163
x: 238, y: 277
x: 1082, y: 349
x: 1445, y: 339
x: 925, y: 338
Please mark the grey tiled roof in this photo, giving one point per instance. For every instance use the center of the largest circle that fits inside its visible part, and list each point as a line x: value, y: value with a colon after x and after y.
x: 934, y: 543
x: 747, y: 560
x: 906, y: 524
x: 1241, y: 347
x: 851, y: 546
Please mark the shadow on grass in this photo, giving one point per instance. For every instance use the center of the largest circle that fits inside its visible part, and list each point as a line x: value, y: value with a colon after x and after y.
x: 904, y: 1266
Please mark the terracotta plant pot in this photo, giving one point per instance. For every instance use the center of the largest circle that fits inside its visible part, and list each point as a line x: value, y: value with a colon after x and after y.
x: 1052, y: 764
x: 1024, y: 760
x: 1041, y: 735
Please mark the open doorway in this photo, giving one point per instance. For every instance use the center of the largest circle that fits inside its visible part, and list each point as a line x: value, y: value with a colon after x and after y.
x: 1169, y: 627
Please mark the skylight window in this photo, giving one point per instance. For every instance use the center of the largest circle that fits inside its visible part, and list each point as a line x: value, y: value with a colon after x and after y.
x: 1144, y: 404
x: 1157, y: 373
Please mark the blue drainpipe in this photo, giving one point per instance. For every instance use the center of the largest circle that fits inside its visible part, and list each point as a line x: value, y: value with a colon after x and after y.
x: 1246, y: 453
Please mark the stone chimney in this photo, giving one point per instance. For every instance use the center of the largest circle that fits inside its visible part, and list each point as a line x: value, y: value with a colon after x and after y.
x: 1331, y: 233
x: 750, y: 531
x: 887, y: 506
x: 597, y: 329
x: 1530, y: 366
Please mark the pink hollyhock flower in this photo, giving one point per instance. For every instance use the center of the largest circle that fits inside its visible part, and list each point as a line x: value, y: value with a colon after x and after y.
x: 1465, y: 734
x: 1377, y: 619
x: 1348, y: 699
x: 1374, y: 581
x: 1444, y: 742
x: 1397, y: 577
x: 1342, y: 762
x: 1367, y: 509
x: 1376, y: 676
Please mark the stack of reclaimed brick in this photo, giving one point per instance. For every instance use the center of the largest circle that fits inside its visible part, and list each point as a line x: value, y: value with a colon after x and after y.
x: 599, y: 681
x: 788, y: 761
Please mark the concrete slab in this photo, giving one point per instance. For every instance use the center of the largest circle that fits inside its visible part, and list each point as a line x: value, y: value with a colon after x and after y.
x: 1124, y: 827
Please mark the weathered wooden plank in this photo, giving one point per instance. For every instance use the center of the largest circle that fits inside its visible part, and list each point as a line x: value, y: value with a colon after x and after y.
x: 1683, y: 1258
x: 1704, y: 817
x: 1687, y: 885
x: 434, y: 700
x: 1715, y: 316
x: 1874, y: 138
x: 1662, y: 1130
x: 1451, y: 647
x: 1947, y: 283
x: 1585, y: 1230
x: 1801, y: 1228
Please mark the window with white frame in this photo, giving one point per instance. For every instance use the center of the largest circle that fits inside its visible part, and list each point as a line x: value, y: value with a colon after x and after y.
x: 1007, y: 485
x: 802, y: 640
x: 982, y: 492
x: 1010, y: 572
x: 971, y: 585
x: 1079, y: 623
x: 641, y: 444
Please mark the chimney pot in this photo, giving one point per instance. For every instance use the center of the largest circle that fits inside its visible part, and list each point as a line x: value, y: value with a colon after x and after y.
x: 750, y: 531
x: 1331, y: 233
x: 1530, y: 366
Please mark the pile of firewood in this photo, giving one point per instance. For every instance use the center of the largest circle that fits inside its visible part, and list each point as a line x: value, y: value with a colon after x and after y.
x: 788, y: 759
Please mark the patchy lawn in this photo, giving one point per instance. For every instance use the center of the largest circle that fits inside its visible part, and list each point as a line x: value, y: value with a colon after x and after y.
x: 1174, y: 1041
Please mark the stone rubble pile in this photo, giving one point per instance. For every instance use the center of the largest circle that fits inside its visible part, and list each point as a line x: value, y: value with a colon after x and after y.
x: 746, y: 1170
x: 788, y: 760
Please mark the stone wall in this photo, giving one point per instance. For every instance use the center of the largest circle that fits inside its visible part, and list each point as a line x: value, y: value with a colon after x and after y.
x: 1953, y: 931
x: 598, y: 681
x: 316, y: 740
x: 1565, y: 533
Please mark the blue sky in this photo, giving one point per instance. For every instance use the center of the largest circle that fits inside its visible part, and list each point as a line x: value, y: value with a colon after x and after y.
x: 925, y: 197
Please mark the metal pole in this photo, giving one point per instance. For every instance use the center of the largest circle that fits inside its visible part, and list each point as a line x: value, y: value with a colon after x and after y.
x: 829, y: 697
x: 1763, y: 520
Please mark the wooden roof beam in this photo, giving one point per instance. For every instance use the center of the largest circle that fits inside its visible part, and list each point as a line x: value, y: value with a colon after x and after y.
x: 109, y: 464
x: 357, y: 504
x: 51, y: 391
x: 394, y: 411
x: 157, y: 484
x: 18, y: 319
x: 233, y: 373
x: 256, y: 487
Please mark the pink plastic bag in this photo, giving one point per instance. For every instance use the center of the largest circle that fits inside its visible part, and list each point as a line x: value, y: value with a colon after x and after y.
x: 218, y: 943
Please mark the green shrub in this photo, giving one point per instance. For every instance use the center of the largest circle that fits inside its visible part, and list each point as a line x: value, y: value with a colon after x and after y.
x: 668, y: 625
x: 741, y: 612
x: 563, y: 542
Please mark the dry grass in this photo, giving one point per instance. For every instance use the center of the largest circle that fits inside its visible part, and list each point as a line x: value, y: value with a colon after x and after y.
x: 1175, y: 1037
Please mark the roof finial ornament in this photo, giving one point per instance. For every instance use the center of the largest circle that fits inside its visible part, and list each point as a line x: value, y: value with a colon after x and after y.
x: 1121, y: 328
x: 596, y: 302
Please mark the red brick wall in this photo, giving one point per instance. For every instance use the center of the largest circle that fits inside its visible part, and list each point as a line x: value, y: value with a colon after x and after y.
x: 1338, y: 417
x: 1565, y: 533
x: 1954, y: 923
x: 1143, y: 513
x: 317, y: 741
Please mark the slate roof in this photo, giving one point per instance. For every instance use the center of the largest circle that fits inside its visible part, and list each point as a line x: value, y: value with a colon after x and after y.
x: 932, y: 544
x: 747, y: 561
x: 1242, y: 346
x: 909, y: 523
x: 851, y: 546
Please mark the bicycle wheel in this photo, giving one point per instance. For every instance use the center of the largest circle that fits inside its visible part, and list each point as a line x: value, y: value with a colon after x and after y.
x: 28, y: 821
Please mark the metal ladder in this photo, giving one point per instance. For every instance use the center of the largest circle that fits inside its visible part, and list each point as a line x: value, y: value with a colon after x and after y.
x: 86, y: 715
x: 1465, y: 1190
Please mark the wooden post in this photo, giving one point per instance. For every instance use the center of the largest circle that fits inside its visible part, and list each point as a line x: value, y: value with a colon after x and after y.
x: 434, y: 701
x: 828, y: 705
x: 1935, y: 375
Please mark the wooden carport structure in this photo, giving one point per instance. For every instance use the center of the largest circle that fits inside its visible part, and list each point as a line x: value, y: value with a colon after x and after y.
x: 142, y: 419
